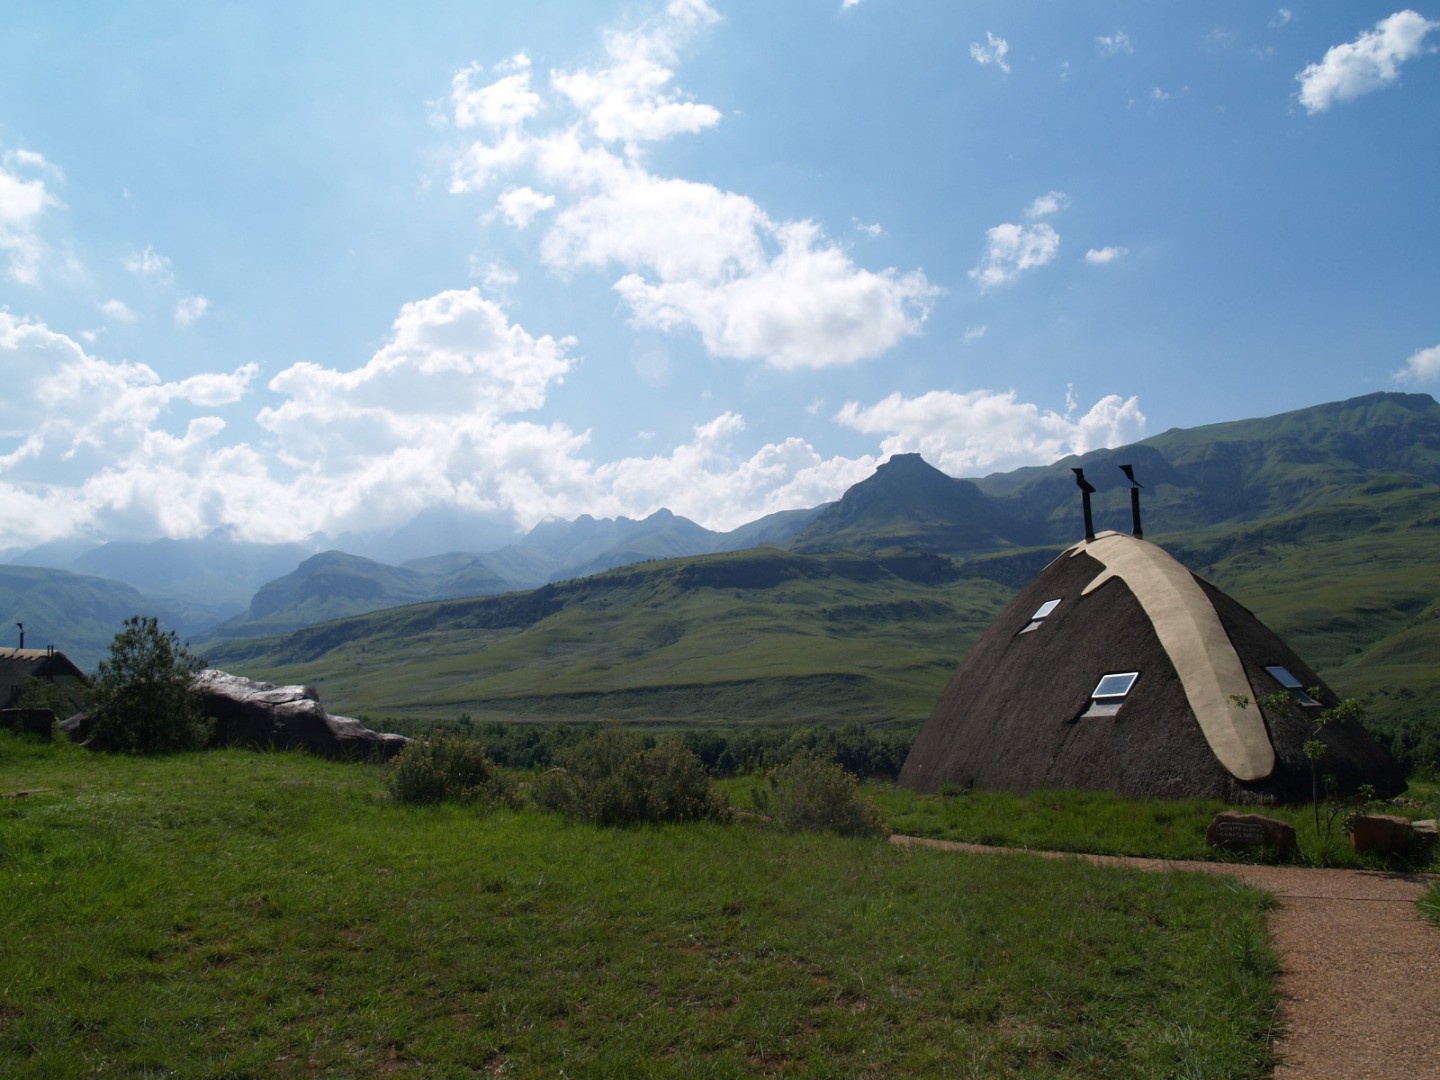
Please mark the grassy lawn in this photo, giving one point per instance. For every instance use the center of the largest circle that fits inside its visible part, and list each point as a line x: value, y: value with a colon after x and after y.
x: 235, y: 914
x: 1099, y: 821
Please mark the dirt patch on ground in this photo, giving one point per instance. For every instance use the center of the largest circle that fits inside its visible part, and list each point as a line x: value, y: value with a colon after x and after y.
x: 1360, y: 966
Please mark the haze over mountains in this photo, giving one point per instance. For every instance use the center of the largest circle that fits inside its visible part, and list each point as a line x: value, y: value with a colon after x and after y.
x: 1376, y: 450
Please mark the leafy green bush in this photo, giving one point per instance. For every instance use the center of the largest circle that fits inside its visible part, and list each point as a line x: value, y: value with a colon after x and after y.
x: 807, y: 794
x: 144, y: 700
x: 63, y: 701
x: 612, y: 778
x: 447, y: 768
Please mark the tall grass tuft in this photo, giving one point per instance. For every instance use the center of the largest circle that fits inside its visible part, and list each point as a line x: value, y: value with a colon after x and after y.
x: 1430, y: 903
x: 613, y: 779
x: 807, y: 794
x: 448, y: 768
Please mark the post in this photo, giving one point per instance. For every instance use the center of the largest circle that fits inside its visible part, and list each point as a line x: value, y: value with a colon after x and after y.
x: 1085, y: 490
x: 1129, y: 471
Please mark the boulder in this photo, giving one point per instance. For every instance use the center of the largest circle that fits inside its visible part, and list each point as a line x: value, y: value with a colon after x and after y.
x: 266, y: 716
x: 1381, y: 834
x: 1235, y: 831
x: 250, y: 713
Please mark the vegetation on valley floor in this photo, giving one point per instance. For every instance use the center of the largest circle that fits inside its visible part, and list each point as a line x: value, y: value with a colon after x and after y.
x: 233, y: 913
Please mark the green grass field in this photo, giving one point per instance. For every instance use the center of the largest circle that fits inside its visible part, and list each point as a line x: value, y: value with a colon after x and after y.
x: 250, y: 915
x: 747, y: 637
x: 1101, y: 822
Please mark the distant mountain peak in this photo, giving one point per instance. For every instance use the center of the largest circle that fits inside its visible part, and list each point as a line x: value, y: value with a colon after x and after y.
x: 897, y: 462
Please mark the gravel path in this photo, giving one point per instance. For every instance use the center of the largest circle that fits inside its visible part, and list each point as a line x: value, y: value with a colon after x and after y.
x: 1360, y: 966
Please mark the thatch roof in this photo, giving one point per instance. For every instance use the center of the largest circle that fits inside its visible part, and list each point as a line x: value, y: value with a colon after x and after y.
x: 17, y: 665
x: 1022, y: 713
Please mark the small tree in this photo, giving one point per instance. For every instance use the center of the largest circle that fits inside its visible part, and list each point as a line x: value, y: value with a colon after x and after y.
x: 144, y: 700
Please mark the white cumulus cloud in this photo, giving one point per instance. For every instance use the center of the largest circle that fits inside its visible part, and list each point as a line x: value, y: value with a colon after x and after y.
x: 151, y: 265
x: 964, y: 434
x: 1370, y: 62
x: 630, y: 100
x: 808, y: 306
x: 117, y: 311
x: 1423, y: 366
x: 504, y: 103
x: 190, y: 309
x: 1012, y: 249
x: 1052, y: 202
x: 520, y: 205
x: 118, y: 450
x: 685, y: 255
x: 1101, y: 256
x: 23, y: 199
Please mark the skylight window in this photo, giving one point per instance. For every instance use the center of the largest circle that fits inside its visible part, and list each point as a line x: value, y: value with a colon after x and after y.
x: 1117, y: 685
x: 1040, y: 613
x: 1109, y: 694
x: 1297, y: 689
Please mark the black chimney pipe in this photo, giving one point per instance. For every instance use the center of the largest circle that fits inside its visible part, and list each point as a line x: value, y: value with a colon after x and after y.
x: 21, y: 625
x: 1085, y: 491
x: 1135, y: 486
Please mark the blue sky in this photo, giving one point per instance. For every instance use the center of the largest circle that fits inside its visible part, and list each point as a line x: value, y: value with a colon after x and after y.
x: 316, y: 267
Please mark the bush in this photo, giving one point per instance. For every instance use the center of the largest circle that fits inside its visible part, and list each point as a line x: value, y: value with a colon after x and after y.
x: 63, y: 701
x: 447, y: 768
x: 613, y: 779
x: 807, y: 794
x: 144, y: 700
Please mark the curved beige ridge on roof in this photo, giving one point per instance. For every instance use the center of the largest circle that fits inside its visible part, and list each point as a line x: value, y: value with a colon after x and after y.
x: 1192, y: 636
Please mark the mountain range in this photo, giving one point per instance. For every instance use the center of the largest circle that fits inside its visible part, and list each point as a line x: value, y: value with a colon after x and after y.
x: 1328, y: 515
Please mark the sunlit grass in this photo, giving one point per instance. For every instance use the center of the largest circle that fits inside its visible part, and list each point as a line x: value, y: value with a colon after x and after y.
x: 1105, y: 823
x: 236, y: 914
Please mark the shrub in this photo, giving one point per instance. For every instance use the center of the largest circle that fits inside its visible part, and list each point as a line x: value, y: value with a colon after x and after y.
x: 144, y: 701
x: 63, y: 701
x: 447, y: 768
x: 613, y: 779
x: 807, y: 794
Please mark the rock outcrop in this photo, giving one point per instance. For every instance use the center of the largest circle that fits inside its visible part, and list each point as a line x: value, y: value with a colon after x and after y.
x: 270, y: 717
x: 249, y: 713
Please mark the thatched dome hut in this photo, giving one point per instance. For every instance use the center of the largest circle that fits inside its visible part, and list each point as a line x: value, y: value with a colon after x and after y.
x: 1119, y: 669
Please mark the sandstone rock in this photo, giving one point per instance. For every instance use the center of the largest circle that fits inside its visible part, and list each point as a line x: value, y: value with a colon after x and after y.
x: 1381, y: 834
x: 1235, y: 831
x: 76, y: 728
x: 249, y: 713
x: 260, y: 714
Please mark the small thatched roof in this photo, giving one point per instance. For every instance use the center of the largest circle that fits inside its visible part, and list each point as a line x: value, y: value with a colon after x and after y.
x: 17, y: 665
x: 1117, y: 668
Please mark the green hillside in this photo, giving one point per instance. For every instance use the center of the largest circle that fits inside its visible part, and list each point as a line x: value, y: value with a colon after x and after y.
x: 766, y: 636
x: 1237, y: 473
x: 752, y: 636
x: 77, y: 614
x: 1325, y: 522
